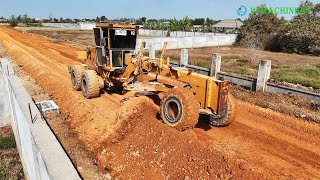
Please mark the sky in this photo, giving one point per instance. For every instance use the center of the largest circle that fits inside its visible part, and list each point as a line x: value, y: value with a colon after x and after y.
x: 157, y: 9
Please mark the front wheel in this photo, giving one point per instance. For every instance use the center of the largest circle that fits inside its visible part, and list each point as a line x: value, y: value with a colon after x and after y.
x: 228, y: 117
x: 179, y: 109
x: 90, y: 84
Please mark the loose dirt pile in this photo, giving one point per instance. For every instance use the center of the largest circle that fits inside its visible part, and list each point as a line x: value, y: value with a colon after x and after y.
x: 290, y: 104
x: 144, y: 147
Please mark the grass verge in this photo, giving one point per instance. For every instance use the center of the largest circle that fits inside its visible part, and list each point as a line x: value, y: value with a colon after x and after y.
x: 7, y: 142
x: 307, y: 76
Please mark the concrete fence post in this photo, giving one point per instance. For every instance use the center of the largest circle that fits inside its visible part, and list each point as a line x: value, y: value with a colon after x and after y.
x: 184, y: 57
x: 215, y: 65
x: 263, y: 75
x: 152, y: 51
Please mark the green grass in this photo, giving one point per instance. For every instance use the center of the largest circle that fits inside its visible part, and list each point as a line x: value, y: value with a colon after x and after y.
x: 306, y: 76
x: 245, y: 72
x: 7, y: 142
x: 203, y: 64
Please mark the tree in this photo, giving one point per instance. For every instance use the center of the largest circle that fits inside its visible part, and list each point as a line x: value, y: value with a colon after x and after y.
x: 50, y: 17
x: 19, y: 18
x: 68, y: 20
x: 198, y: 21
x: 259, y: 27
x: 209, y: 23
x: 76, y: 20
x: 184, y: 23
x: 143, y: 19
x: 98, y: 19
x: 61, y: 20
x: 301, y: 34
x: 103, y: 18
x: 13, y: 21
x: 26, y: 19
x: 139, y: 22
x: 173, y: 25
x: 152, y: 20
x: 55, y: 20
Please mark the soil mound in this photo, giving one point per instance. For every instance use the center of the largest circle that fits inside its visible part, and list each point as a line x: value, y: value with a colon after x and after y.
x: 144, y: 147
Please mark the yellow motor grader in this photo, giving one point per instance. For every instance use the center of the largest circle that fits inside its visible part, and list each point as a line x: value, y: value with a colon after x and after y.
x: 181, y: 94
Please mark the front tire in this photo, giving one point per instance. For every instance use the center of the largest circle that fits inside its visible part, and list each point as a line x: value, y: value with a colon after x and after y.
x: 179, y: 109
x: 90, y: 84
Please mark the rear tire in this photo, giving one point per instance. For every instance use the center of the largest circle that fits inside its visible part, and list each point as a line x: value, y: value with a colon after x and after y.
x: 76, y: 77
x: 228, y: 117
x: 90, y: 84
x: 179, y: 109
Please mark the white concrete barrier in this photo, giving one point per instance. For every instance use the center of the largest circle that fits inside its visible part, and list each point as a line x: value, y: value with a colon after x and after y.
x: 62, y: 25
x: 87, y: 25
x: 164, y: 33
x: 189, y: 42
x: 40, y: 152
x: 4, y: 108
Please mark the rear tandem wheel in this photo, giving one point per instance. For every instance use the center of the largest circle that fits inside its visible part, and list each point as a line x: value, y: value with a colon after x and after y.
x: 75, y: 72
x: 228, y: 117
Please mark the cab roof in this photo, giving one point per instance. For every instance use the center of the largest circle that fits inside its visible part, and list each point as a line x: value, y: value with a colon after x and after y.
x: 113, y: 25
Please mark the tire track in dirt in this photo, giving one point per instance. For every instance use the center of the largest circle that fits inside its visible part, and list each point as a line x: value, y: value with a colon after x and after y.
x: 50, y: 70
x: 266, y: 143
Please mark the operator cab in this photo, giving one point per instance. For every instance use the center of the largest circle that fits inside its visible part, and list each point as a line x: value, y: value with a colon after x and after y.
x: 113, y: 42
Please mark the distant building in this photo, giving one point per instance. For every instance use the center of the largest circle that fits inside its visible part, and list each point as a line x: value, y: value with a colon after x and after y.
x: 227, y: 26
x: 197, y: 28
x: 2, y: 20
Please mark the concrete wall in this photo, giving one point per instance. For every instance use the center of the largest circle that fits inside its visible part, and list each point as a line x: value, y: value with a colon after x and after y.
x: 143, y: 32
x: 81, y: 25
x: 40, y: 152
x: 62, y: 25
x: 189, y: 42
x: 4, y: 107
x: 87, y: 26
x: 164, y: 33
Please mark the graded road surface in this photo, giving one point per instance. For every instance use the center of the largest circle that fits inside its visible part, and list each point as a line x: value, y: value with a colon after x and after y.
x: 259, y: 143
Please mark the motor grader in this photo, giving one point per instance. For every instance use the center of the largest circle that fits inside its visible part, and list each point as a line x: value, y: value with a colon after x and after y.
x: 182, y: 95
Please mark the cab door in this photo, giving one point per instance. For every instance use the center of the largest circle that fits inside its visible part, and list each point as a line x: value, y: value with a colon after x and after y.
x: 100, y: 47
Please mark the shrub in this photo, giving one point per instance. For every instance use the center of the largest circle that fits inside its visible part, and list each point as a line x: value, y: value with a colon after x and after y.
x: 258, y: 29
x: 268, y: 32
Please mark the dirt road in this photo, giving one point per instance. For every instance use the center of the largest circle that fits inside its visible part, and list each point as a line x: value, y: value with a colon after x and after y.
x: 260, y: 143
x: 272, y: 143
